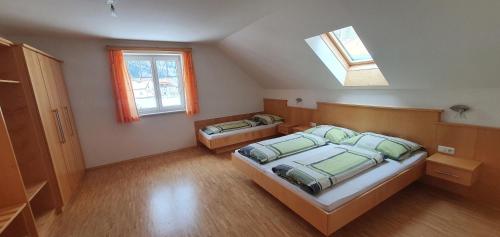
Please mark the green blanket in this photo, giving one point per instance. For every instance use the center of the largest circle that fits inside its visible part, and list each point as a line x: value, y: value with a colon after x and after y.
x: 273, y: 149
x: 229, y: 126
x: 317, y: 173
x: 393, y: 147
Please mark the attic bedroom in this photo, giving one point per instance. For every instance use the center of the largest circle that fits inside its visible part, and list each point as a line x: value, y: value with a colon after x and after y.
x: 249, y: 118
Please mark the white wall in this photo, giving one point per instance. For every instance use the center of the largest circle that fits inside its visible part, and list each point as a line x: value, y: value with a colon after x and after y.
x: 483, y: 102
x: 223, y: 90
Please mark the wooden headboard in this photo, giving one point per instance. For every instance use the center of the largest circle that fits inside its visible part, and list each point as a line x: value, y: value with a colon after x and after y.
x: 276, y: 107
x: 295, y: 115
x: 418, y: 125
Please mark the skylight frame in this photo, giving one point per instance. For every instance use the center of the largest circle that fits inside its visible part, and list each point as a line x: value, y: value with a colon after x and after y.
x: 345, y: 55
x: 373, y: 76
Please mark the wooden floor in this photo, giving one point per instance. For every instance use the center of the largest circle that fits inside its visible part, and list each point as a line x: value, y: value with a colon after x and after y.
x: 195, y: 193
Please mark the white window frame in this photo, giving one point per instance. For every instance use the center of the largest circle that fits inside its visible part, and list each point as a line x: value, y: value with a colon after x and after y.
x: 343, y: 51
x: 153, y: 57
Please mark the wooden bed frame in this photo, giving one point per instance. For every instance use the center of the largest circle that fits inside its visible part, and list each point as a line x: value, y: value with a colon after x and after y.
x: 233, y: 142
x: 329, y: 222
x: 418, y: 125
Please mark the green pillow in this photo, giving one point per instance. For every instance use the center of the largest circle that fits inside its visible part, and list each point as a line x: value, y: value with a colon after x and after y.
x: 267, y: 118
x: 392, y: 147
x: 333, y: 134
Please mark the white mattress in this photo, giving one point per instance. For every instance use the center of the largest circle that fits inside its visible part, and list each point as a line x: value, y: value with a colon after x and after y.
x: 347, y: 190
x: 244, y: 130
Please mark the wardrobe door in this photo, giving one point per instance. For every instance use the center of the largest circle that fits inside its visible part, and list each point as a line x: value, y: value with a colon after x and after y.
x: 49, y: 72
x: 51, y: 121
x: 76, y: 162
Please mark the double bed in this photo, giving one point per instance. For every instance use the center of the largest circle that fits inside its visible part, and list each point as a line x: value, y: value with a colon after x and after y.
x: 334, y: 207
x: 337, y: 206
x: 343, y: 192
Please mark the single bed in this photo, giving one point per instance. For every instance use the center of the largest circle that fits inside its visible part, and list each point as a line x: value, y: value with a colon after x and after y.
x: 221, y: 142
x: 230, y: 140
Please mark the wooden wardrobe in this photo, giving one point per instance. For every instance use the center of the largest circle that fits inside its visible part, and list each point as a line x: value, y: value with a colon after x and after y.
x: 39, y: 140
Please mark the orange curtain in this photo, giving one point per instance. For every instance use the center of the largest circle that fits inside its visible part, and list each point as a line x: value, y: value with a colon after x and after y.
x: 190, y: 88
x: 126, y: 110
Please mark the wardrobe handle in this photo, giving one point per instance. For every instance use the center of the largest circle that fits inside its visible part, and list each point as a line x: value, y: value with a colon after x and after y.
x: 70, y: 120
x: 62, y: 138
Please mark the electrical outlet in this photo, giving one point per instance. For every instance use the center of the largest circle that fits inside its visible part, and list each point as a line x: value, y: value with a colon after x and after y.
x: 446, y: 150
x: 312, y: 124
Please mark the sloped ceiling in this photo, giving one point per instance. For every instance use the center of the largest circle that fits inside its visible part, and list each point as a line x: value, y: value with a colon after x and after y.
x: 417, y: 44
x: 163, y: 20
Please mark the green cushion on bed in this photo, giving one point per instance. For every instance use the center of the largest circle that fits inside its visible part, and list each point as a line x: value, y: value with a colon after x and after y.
x: 267, y: 118
x: 229, y: 126
x: 392, y: 147
x: 332, y: 133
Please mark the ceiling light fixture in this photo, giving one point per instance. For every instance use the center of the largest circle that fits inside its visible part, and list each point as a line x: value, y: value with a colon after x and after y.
x: 112, y: 7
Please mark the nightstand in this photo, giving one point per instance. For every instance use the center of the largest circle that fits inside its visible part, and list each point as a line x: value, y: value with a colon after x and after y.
x: 286, y: 128
x: 300, y: 128
x: 453, y: 169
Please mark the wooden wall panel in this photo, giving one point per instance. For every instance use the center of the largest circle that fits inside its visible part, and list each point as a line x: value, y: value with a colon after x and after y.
x: 300, y: 116
x: 487, y: 144
x: 478, y: 143
x: 276, y: 107
x: 463, y: 138
x: 417, y: 125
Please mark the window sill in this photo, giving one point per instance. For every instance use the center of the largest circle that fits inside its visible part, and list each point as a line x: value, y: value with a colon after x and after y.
x: 162, y: 113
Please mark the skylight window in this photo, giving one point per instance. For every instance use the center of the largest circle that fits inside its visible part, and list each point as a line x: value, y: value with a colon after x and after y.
x: 345, y: 55
x: 351, y: 44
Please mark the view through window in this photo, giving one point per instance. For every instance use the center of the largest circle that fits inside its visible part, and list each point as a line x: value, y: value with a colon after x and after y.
x: 156, y: 81
x: 351, y: 44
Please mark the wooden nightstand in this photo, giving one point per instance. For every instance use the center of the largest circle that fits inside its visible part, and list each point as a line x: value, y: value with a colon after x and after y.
x: 456, y: 170
x: 300, y: 128
x: 286, y: 128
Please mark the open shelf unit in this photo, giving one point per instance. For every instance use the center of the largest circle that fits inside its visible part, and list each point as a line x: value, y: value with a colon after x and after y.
x: 28, y: 186
x: 43, y: 164
x: 33, y: 190
x: 7, y: 215
x: 14, y: 207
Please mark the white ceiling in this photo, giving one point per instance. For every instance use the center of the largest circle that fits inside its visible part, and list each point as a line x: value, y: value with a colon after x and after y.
x: 417, y: 44
x: 165, y: 20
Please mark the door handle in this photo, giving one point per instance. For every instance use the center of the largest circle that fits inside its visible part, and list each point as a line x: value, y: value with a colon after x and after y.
x: 70, y: 120
x: 60, y: 131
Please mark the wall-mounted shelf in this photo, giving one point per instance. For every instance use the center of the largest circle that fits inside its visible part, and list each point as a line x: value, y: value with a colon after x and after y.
x: 32, y: 190
x: 8, y: 214
x: 453, y: 169
x: 9, y: 82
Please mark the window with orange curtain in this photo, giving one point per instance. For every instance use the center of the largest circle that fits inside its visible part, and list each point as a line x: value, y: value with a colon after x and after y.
x: 161, y: 81
x: 191, y: 89
x: 126, y: 110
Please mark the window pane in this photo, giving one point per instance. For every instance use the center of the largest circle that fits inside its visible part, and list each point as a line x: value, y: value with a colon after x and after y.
x: 352, y: 44
x: 141, y: 74
x: 169, y: 82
